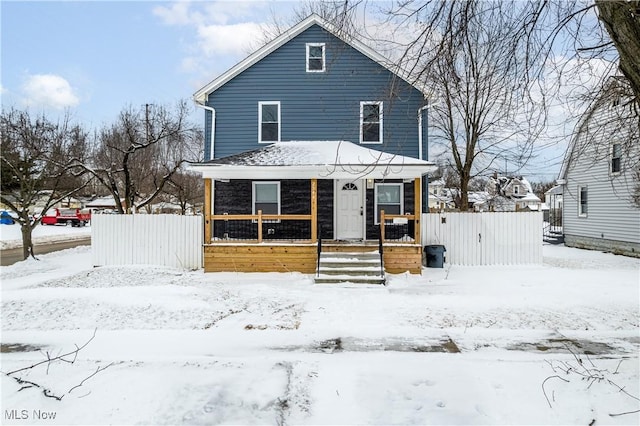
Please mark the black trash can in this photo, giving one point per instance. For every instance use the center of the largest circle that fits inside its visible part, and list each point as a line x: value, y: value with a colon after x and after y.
x: 435, y: 256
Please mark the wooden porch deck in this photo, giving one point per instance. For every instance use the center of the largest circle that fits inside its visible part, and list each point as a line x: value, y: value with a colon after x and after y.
x: 302, y: 257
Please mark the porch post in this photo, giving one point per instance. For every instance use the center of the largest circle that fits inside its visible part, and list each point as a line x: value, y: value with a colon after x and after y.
x: 314, y: 210
x: 207, y: 211
x: 417, y: 209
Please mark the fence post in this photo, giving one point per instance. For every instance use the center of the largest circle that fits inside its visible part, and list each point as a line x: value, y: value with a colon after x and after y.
x: 314, y: 210
x: 381, y: 226
x: 259, y: 226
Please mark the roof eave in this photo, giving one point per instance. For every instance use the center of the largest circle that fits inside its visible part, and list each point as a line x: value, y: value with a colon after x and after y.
x: 320, y: 171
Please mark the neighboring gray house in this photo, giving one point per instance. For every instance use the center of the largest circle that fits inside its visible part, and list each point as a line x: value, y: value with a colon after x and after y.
x: 600, y: 175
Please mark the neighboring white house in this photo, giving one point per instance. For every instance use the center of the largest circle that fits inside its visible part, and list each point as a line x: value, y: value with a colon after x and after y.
x: 509, y: 193
x: 600, y: 176
x: 439, y: 197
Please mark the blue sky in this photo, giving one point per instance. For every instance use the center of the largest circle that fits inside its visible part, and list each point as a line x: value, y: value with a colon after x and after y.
x: 96, y: 57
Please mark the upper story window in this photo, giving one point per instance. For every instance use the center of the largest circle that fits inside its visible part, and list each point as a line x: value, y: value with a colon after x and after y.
x: 268, y: 122
x: 516, y: 190
x: 315, y: 57
x: 582, y: 201
x: 616, y: 157
x: 370, y: 122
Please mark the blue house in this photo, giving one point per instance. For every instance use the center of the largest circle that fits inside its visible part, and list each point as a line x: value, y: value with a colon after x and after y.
x: 314, y: 143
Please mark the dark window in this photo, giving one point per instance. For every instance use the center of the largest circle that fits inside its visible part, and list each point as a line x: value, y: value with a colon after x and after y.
x: 269, y: 121
x: 616, y: 158
x: 315, y: 57
x: 371, y: 122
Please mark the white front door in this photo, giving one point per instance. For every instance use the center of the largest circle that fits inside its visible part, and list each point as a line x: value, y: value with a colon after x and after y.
x: 349, y: 209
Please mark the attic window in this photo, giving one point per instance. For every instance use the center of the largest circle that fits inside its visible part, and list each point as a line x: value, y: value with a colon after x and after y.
x: 315, y: 57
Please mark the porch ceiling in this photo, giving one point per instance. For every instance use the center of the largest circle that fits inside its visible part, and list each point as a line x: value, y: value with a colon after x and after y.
x: 314, y: 159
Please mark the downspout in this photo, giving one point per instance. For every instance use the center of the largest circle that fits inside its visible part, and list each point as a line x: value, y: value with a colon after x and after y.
x: 213, y: 127
x: 420, y: 130
x: 425, y: 181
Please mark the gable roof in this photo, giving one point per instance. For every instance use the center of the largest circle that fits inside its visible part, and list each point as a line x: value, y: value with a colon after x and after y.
x: 200, y: 96
x: 315, y: 159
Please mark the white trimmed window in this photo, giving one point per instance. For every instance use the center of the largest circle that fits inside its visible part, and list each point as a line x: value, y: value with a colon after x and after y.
x: 269, y: 121
x: 266, y: 197
x: 371, y: 122
x: 582, y: 201
x: 315, y: 57
x: 390, y: 198
x: 616, y: 158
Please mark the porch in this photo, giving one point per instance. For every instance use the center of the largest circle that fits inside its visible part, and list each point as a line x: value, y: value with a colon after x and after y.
x: 250, y: 243
x: 279, y: 208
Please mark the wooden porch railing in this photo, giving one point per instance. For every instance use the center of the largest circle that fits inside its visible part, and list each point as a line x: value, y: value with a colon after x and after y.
x: 413, y: 239
x: 266, y: 219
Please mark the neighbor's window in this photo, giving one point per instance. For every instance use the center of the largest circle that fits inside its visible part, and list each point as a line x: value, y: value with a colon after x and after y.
x: 266, y: 197
x: 582, y: 201
x: 370, y: 122
x: 616, y: 158
x: 389, y: 197
x: 269, y: 121
x: 516, y: 190
x: 315, y: 57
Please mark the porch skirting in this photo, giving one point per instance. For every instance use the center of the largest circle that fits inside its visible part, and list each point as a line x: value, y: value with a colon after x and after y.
x: 299, y: 257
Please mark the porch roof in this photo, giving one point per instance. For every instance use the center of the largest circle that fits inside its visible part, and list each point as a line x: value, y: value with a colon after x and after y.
x: 314, y: 159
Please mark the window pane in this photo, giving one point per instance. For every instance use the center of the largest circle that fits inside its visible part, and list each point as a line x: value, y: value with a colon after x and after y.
x: 270, y: 132
x: 389, y: 194
x: 267, y: 208
x: 315, y: 64
x: 315, y: 52
x: 617, y: 151
x: 370, y: 113
x: 266, y: 193
x: 269, y: 113
x: 371, y: 132
x: 583, y: 200
x: 388, y: 209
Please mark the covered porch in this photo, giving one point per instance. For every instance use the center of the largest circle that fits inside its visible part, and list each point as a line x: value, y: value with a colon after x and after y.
x: 328, y: 197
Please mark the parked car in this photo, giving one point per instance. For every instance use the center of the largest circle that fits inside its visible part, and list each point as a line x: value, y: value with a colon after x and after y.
x: 6, y: 218
x: 73, y: 217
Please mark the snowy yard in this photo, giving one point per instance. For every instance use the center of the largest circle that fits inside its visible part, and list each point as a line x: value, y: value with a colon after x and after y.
x: 459, y: 345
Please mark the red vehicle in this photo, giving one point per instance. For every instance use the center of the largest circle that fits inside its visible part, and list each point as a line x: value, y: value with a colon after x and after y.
x: 73, y: 217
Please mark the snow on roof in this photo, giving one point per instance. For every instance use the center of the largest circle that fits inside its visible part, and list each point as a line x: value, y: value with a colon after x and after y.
x: 530, y: 197
x: 319, y: 159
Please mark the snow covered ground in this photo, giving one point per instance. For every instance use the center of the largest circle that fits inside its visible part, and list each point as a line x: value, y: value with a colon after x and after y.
x: 540, y: 344
x: 10, y: 236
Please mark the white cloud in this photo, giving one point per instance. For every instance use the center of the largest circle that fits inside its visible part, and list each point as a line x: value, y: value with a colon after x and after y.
x: 228, y: 39
x: 48, y: 90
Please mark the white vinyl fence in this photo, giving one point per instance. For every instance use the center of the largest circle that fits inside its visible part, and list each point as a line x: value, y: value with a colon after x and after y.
x: 168, y: 240
x: 509, y: 238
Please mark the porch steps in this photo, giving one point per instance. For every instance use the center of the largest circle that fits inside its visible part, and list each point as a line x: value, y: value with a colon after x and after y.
x: 350, y: 267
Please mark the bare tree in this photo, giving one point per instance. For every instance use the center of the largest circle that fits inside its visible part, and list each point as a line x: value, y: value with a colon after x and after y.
x: 136, y: 157
x: 39, y: 164
x: 186, y: 189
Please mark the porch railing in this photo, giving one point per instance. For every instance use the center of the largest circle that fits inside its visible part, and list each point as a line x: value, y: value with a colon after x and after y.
x: 399, y: 228
x: 260, y: 227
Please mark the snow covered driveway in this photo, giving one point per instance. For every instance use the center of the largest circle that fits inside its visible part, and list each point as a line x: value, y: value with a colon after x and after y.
x: 460, y: 345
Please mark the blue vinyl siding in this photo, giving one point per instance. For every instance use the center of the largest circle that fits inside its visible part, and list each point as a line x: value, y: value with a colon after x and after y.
x: 314, y: 106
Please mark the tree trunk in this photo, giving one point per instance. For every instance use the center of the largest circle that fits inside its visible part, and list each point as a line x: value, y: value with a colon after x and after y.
x: 622, y: 21
x: 27, y: 242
